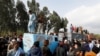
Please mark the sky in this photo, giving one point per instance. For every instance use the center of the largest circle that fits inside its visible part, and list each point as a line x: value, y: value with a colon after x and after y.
x: 83, y: 13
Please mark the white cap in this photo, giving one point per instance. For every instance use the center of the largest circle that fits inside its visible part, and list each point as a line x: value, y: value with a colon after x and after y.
x: 18, y: 39
x: 13, y: 40
x: 65, y: 41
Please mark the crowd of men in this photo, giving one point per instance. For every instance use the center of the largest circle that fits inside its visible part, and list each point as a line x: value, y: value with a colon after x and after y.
x: 14, y: 47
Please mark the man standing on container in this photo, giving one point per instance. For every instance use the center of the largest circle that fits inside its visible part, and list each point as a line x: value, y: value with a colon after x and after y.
x: 31, y: 23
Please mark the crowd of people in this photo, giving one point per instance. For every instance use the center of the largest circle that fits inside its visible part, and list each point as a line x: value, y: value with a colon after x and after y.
x: 14, y: 47
x: 80, y: 30
x: 6, y: 43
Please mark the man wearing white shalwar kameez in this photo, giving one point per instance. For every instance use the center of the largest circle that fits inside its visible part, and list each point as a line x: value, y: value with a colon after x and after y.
x: 31, y: 23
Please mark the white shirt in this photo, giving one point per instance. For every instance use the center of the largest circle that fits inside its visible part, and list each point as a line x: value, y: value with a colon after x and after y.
x: 98, y: 54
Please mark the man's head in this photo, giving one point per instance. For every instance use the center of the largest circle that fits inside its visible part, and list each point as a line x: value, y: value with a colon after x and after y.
x: 13, y: 41
x: 36, y: 44
x: 61, y: 43
x: 16, y: 45
x: 46, y: 42
x: 30, y: 12
x: 65, y: 41
x: 71, y: 24
x: 75, y: 45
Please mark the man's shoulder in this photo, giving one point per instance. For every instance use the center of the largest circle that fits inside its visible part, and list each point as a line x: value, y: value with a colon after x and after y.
x: 33, y: 14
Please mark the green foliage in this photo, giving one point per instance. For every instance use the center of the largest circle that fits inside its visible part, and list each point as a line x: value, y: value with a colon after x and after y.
x: 22, y: 16
x: 6, y: 33
x: 45, y: 10
x: 7, y: 15
x: 97, y: 36
x: 58, y: 22
x: 34, y: 6
x: 54, y: 18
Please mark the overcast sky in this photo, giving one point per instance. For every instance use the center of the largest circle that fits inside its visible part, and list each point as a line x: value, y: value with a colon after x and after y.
x: 84, y: 13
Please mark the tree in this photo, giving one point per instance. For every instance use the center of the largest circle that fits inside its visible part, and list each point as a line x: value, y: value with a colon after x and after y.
x: 55, y: 19
x: 7, y: 15
x: 45, y: 11
x: 97, y: 36
x: 34, y: 6
x: 64, y: 23
x: 57, y: 22
x: 22, y: 15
